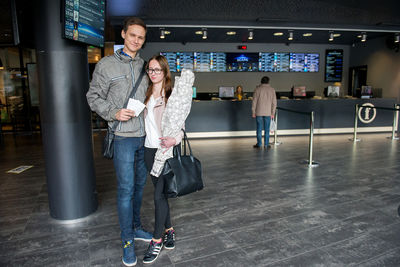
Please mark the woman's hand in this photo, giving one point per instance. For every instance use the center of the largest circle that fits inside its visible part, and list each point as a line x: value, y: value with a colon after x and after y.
x: 167, y: 142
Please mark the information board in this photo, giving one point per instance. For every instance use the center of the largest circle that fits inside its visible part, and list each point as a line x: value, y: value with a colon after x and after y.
x: 274, y: 62
x: 84, y: 21
x: 333, y: 65
x: 311, y: 63
x: 217, y: 62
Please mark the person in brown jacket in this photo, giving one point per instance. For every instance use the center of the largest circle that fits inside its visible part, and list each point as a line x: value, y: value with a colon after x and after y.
x: 263, y: 109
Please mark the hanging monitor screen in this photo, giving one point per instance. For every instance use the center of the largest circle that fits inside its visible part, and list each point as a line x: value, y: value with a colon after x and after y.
x: 84, y: 21
x: 242, y: 61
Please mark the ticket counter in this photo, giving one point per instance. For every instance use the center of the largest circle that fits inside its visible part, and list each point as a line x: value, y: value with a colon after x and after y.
x: 225, y: 118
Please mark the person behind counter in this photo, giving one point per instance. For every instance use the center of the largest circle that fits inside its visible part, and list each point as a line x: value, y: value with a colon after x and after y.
x: 263, y: 109
x: 239, y: 95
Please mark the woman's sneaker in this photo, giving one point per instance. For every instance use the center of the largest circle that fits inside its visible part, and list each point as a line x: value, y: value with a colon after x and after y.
x: 169, y: 239
x: 153, y: 251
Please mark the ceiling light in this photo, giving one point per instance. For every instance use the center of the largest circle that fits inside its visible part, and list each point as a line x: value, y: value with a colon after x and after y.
x: 204, y: 34
x: 162, y: 34
x: 397, y: 38
x: 167, y: 32
x: 363, y: 37
x: 251, y: 35
x: 330, y: 36
x: 278, y: 33
x: 335, y: 35
x: 230, y: 33
x: 199, y: 32
x: 359, y: 36
x: 290, y: 38
x: 307, y: 34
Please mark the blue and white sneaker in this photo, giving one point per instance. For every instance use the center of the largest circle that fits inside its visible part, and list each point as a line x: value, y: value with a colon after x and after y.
x: 153, y: 251
x: 142, y: 235
x: 129, y: 257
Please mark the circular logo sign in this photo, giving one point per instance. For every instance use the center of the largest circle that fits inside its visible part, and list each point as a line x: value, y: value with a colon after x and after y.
x: 366, y: 114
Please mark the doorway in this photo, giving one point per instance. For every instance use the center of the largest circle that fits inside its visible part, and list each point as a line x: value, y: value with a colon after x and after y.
x: 358, y: 78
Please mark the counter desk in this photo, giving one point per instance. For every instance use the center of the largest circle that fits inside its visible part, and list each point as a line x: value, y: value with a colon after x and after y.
x: 224, y: 118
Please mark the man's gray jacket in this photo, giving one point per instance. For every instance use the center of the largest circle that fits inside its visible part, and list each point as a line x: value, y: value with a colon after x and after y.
x: 113, y: 81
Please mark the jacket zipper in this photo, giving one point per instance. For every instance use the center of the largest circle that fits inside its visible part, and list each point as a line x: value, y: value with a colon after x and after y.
x: 133, y: 85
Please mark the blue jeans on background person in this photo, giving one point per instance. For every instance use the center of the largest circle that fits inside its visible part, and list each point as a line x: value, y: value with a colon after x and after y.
x: 131, y: 174
x: 263, y: 121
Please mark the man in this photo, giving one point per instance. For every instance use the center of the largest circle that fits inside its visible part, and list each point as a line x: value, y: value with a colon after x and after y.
x: 113, y: 80
x: 263, y: 109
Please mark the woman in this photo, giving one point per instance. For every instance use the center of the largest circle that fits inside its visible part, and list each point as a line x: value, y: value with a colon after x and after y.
x: 239, y: 95
x: 157, y: 96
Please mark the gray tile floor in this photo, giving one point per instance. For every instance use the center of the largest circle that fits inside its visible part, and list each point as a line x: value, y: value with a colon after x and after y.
x: 259, y: 208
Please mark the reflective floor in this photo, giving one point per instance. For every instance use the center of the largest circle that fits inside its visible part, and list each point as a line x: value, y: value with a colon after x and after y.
x: 259, y: 207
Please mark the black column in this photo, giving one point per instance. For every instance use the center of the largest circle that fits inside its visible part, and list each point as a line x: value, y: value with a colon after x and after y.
x: 65, y: 117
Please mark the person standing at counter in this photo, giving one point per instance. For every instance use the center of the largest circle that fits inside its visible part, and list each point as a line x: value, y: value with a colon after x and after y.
x: 239, y: 95
x: 113, y: 80
x: 263, y: 109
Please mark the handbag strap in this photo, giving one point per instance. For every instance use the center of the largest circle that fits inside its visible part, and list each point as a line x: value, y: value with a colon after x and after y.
x: 186, y: 141
x: 133, y: 92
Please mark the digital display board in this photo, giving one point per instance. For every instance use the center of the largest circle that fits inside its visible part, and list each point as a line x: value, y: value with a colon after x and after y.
x: 184, y: 60
x: 274, y: 62
x: 242, y: 61
x: 84, y: 21
x: 201, y: 61
x: 311, y: 63
x: 296, y: 62
x: 171, y: 58
x: 333, y: 65
x: 217, y: 62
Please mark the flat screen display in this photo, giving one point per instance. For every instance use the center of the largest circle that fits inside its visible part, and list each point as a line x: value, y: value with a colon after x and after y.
x: 184, y: 60
x: 242, y: 62
x: 201, y: 61
x: 366, y: 90
x: 333, y: 91
x: 217, y: 62
x: 297, y: 62
x: 84, y: 21
x: 333, y: 65
x: 194, y: 95
x: 299, y: 91
x: 274, y: 62
x: 226, y: 92
x: 116, y: 47
x: 171, y: 58
x: 311, y: 62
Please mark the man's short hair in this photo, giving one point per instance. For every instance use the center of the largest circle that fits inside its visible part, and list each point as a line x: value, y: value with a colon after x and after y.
x: 133, y: 21
x: 265, y: 79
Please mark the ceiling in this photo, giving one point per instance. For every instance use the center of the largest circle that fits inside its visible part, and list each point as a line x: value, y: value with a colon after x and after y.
x: 183, y: 17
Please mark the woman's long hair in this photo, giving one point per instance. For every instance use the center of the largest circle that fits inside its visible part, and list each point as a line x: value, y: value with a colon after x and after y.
x: 167, y: 78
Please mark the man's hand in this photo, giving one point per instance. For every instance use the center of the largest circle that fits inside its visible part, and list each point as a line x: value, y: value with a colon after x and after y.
x: 125, y: 114
x: 253, y: 115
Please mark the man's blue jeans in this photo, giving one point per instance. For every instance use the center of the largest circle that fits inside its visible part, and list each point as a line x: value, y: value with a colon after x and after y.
x: 131, y: 177
x: 263, y: 121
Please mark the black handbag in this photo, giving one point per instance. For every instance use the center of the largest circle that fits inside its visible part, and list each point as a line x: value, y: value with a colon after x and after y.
x: 182, y: 173
x: 108, y: 142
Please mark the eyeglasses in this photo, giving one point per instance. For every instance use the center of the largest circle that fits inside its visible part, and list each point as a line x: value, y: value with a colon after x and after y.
x: 156, y: 71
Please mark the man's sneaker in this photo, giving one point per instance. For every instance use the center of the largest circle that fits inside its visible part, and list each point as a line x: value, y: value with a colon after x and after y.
x: 142, y: 235
x: 153, y: 251
x: 129, y: 257
x: 169, y: 239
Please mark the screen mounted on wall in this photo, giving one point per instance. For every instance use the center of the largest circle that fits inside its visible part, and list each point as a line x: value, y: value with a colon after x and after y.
x: 84, y: 21
x: 333, y: 65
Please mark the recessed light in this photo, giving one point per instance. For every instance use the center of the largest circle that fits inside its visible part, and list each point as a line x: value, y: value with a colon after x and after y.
x: 278, y: 33
x: 336, y: 35
x: 231, y: 33
x: 359, y: 36
x: 308, y: 34
x: 167, y: 32
x: 199, y: 32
